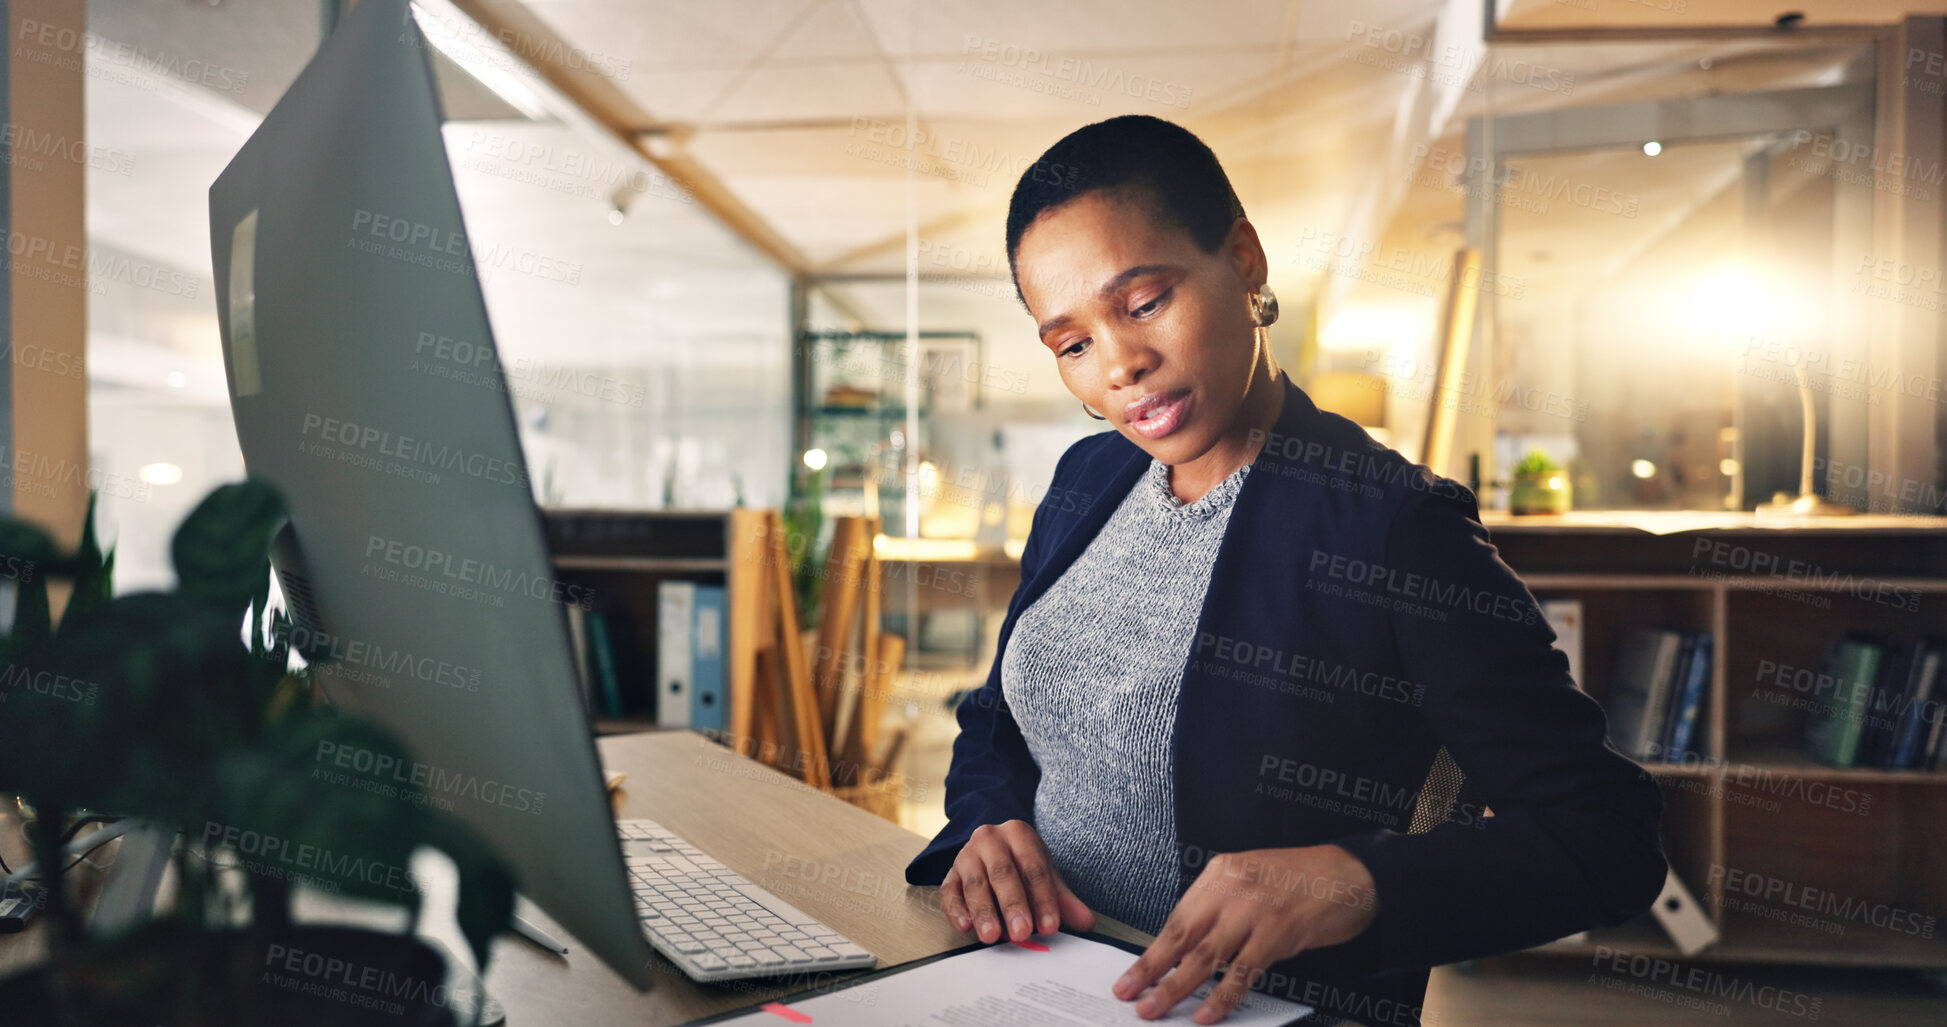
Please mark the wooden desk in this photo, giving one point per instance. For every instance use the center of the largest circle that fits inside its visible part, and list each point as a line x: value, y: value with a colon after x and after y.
x: 823, y: 855
x: 827, y: 857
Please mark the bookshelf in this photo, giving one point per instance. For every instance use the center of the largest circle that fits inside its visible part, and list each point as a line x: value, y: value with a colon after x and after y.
x: 621, y: 556
x: 1794, y: 861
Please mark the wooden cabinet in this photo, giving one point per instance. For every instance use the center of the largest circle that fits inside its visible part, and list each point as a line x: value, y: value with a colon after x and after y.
x: 621, y: 556
x: 1795, y: 861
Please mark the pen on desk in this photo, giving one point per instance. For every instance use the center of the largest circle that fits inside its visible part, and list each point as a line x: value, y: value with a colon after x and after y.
x: 534, y: 934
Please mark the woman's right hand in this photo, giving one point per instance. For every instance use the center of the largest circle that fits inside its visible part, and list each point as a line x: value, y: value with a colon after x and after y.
x: 1005, y: 875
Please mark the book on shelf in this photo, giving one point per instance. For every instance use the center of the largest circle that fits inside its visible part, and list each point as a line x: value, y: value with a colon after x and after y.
x: 1930, y: 754
x: 1673, y: 709
x: 1639, y: 698
x: 675, y: 627
x: 1833, y: 730
x: 578, y: 649
x: 601, y: 658
x: 1890, y: 687
x: 1922, y: 711
x: 708, y: 684
x: 1692, y: 686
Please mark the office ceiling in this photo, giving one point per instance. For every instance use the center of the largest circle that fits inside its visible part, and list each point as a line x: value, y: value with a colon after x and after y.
x: 798, y: 108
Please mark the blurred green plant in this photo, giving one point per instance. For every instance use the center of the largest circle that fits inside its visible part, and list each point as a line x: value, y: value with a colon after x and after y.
x: 153, y: 705
x: 804, y: 521
x: 1536, y: 464
x: 1539, y: 486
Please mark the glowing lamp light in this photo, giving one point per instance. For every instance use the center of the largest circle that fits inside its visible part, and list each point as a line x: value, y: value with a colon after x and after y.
x: 160, y: 474
x: 815, y: 459
x: 1642, y: 469
x: 1732, y: 304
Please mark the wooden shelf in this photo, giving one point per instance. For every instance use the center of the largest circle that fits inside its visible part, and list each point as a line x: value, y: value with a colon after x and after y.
x: 1700, y: 582
x: 628, y: 724
x: 1751, y: 939
x: 1759, y: 804
x: 621, y: 556
x: 664, y: 564
x: 1780, y: 758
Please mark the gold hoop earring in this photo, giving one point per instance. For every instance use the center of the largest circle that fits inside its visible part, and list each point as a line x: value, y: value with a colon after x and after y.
x: 1092, y: 413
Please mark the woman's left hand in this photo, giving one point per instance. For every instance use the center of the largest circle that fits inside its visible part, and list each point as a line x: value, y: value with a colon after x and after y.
x: 1250, y: 909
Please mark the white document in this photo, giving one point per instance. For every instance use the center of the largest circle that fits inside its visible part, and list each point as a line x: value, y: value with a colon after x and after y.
x: 1060, y: 980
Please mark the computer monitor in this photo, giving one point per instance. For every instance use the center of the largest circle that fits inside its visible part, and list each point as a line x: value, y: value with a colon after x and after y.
x: 365, y: 386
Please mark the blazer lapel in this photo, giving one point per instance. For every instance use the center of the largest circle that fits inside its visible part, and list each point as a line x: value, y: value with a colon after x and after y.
x: 1069, y: 545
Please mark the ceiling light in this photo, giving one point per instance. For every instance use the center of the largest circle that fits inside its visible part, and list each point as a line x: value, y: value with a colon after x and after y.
x: 1652, y: 148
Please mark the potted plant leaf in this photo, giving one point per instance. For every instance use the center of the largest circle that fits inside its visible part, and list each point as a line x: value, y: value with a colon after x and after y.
x: 1541, y: 486
x: 153, y: 706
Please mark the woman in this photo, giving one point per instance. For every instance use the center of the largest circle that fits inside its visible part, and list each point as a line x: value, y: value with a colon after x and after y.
x: 1244, y: 631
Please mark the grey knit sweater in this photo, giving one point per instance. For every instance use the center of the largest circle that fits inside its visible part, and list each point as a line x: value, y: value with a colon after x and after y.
x: 1091, y: 674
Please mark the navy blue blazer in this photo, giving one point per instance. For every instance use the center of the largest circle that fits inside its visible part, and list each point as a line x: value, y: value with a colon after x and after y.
x: 1357, y: 620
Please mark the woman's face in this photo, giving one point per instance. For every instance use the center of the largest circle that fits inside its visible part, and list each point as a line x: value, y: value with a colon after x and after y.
x: 1144, y: 326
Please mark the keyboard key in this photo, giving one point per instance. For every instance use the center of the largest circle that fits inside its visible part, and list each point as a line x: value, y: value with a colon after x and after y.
x: 719, y: 921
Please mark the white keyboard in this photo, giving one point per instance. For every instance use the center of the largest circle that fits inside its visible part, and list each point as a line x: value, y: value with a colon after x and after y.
x: 713, y: 923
